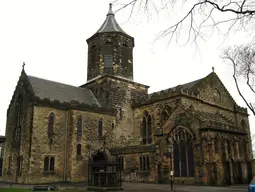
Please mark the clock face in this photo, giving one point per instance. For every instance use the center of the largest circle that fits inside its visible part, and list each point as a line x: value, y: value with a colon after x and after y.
x: 216, y: 95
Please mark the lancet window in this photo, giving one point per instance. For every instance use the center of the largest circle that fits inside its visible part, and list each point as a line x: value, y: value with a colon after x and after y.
x: 146, y: 129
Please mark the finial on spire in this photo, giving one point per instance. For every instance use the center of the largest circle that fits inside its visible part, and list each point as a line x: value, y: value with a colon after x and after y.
x: 110, y: 12
x: 23, y: 66
x: 213, y: 69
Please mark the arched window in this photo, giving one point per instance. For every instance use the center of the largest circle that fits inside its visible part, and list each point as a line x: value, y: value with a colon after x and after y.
x: 46, y: 164
x: 183, y: 154
x: 52, y: 163
x: 79, y: 128
x: 78, y: 149
x: 51, y: 125
x: 146, y: 129
x: 100, y: 128
x: 149, y: 129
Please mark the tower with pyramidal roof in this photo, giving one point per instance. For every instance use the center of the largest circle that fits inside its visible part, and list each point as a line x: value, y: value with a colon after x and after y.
x: 52, y: 128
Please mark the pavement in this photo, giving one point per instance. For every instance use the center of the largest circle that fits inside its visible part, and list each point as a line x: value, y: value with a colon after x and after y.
x: 135, y: 187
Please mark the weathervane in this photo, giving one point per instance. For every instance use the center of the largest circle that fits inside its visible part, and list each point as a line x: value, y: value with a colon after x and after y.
x: 213, y: 69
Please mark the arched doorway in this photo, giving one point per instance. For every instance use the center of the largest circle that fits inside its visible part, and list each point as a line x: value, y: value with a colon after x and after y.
x: 183, y: 157
x: 104, y: 171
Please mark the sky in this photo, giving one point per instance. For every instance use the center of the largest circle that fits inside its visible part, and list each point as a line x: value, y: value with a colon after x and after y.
x: 50, y: 37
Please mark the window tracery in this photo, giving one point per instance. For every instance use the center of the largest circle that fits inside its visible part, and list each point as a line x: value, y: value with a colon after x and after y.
x: 183, y: 154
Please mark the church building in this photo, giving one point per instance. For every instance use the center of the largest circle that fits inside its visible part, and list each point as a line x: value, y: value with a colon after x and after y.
x: 52, y: 128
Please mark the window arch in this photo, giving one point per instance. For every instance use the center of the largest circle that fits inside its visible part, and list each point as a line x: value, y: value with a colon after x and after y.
x: 183, y: 153
x: 146, y: 129
x: 51, y: 122
x: 78, y: 152
x: 100, y: 127
x: 79, y: 128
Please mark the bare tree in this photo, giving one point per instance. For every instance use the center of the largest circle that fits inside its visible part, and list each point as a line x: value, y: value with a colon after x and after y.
x: 242, y: 58
x: 201, y: 15
x: 204, y: 16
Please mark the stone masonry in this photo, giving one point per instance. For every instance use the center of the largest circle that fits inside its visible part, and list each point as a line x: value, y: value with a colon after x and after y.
x: 53, y: 128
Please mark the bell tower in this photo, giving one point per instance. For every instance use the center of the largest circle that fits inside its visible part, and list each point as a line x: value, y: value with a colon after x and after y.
x: 110, y: 51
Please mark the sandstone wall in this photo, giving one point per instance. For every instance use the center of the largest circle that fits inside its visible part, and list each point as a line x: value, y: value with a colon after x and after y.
x: 90, y: 141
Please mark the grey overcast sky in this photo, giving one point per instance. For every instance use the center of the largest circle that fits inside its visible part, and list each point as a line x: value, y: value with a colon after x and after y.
x: 50, y: 37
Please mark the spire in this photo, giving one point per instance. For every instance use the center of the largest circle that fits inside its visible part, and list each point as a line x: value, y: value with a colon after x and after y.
x: 110, y: 24
x: 110, y: 12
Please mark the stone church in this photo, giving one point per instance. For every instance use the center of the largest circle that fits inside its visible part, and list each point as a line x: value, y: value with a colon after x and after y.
x: 52, y: 128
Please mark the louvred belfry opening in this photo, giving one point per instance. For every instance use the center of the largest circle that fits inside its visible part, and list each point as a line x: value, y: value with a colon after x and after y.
x: 110, y: 50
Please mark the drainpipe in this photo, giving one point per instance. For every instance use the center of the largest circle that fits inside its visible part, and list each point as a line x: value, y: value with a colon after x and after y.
x: 65, y: 143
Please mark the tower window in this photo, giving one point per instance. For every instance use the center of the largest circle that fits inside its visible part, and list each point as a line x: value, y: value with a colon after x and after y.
x: 108, y: 63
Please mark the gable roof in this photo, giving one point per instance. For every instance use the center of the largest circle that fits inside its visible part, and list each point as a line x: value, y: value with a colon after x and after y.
x: 46, y: 89
x: 193, y: 85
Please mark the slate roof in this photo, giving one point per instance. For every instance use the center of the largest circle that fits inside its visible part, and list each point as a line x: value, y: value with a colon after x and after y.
x: 58, y: 91
x: 110, y: 24
x: 216, y: 117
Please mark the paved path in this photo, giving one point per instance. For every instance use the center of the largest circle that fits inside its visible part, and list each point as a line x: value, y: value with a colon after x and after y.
x: 143, y: 187
x: 182, y: 188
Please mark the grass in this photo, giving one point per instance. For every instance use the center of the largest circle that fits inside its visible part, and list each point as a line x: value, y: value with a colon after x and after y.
x: 14, y: 190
